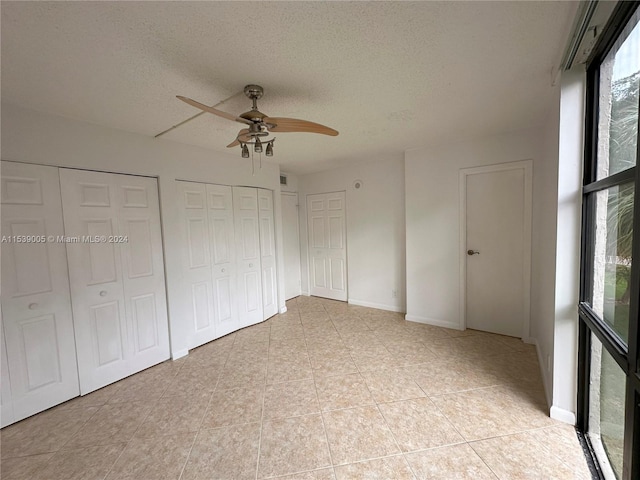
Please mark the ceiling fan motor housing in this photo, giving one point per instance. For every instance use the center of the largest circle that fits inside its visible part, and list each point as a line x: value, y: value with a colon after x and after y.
x: 253, y: 91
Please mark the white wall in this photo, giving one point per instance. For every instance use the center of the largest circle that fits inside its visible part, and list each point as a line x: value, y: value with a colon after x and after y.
x: 543, y: 265
x: 432, y: 211
x: 292, y: 183
x: 375, y: 230
x: 33, y: 137
x: 569, y: 195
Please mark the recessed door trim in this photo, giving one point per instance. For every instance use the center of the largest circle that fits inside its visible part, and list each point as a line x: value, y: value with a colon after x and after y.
x: 527, y: 167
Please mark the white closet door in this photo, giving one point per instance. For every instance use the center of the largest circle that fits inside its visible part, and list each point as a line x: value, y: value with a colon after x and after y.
x: 327, y: 245
x: 142, y: 269
x: 223, y: 258
x: 36, y: 307
x: 268, y: 253
x: 117, y: 333
x: 247, y: 232
x: 6, y: 402
x: 196, y: 261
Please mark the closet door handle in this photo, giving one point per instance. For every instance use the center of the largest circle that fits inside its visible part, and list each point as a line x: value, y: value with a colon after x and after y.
x: 33, y: 306
x: 251, y: 265
x: 103, y: 293
x: 223, y: 270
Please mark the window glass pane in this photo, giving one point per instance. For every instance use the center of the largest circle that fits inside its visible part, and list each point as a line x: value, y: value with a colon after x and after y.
x: 612, y: 262
x: 618, y: 104
x: 606, y: 409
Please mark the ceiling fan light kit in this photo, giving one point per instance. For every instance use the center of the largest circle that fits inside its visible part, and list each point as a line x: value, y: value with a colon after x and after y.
x: 260, y: 125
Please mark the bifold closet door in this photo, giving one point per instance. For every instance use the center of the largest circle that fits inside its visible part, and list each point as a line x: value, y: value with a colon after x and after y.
x: 196, y: 261
x: 268, y: 253
x: 116, y: 271
x: 208, y: 261
x: 39, y: 352
x: 247, y: 232
x: 223, y: 258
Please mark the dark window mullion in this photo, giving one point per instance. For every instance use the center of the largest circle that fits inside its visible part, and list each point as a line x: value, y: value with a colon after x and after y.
x: 609, y: 339
x: 619, y: 178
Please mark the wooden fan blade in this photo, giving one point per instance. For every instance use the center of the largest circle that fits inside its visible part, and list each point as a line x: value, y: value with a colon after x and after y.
x: 295, y: 125
x: 243, y: 135
x: 215, y: 111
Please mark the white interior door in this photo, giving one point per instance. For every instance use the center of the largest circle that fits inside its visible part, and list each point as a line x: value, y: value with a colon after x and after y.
x: 142, y: 269
x: 267, y: 253
x: 496, y: 297
x: 117, y: 279
x: 196, y: 262
x: 327, y: 245
x: 6, y: 402
x: 247, y: 232
x: 36, y: 306
x: 291, y: 245
x: 223, y: 258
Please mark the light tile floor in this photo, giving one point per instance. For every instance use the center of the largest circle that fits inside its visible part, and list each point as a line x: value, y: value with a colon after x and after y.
x: 325, y: 391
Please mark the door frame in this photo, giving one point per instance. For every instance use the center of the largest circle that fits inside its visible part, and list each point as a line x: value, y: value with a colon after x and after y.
x: 527, y: 168
x: 297, y: 197
x: 308, y: 237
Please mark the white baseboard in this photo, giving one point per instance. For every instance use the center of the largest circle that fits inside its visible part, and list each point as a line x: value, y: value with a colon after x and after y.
x: 283, y: 309
x: 432, y: 321
x: 179, y: 354
x: 543, y: 371
x: 306, y: 294
x: 379, y: 306
x: 563, y: 415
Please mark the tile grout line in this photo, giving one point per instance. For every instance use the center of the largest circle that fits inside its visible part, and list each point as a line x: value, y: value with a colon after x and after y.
x: 483, y: 460
x: 264, y: 394
x: 128, y: 442
x: 324, y: 426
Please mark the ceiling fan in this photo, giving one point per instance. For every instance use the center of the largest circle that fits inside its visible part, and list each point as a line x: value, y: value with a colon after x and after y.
x: 260, y: 125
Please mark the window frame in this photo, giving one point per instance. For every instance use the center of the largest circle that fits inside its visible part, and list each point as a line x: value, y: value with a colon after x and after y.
x: 626, y: 356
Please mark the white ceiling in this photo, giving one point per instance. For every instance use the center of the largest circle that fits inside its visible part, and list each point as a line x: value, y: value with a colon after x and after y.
x: 388, y: 75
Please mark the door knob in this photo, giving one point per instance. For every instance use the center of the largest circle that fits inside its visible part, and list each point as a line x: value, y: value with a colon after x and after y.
x: 251, y: 265
x: 103, y: 293
x: 473, y: 252
x: 223, y: 270
x: 33, y: 306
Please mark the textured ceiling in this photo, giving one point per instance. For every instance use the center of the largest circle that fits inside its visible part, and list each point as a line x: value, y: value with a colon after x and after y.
x: 388, y: 75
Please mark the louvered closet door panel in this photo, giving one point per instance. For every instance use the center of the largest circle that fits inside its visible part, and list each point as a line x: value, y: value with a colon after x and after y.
x: 247, y: 233
x: 196, y: 261
x: 95, y: 270
x: 36, y: 308
x: 223, y: 258
x: 268, y: 253
x: 140, y: 243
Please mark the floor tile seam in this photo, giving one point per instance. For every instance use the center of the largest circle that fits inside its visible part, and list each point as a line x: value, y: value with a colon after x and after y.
x: 73, y: 435
x: 186, y: 460
x: 276, y: 477
x: 324, y: 427
x: 449, y: 420
x: 466, y: 391
x: 502, y: 435
x: 435, y: 447
x: 483, y: 460
x: 119, y: 455
x: 546, y: 448
x: 395, y: 440
x: 262, y: 420
x: 370, y: 459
